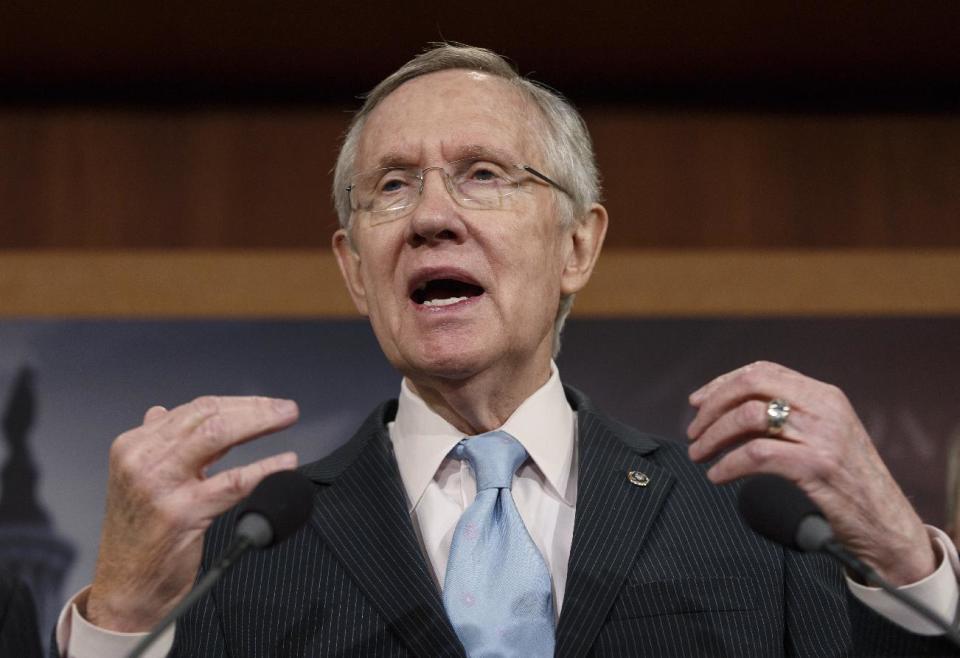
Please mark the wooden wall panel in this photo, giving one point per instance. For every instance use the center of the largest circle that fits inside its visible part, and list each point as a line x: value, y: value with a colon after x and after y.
x: 109, y: 178
x: 780, y: 180
x: 627, y: 282
x: 259, y: 178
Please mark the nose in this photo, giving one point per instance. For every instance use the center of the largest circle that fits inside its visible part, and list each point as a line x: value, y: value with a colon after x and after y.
x: 436, y: 217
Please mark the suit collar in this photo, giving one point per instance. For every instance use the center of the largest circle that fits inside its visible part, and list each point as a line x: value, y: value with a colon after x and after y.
x: 639, y: 442
x: 328, y: 469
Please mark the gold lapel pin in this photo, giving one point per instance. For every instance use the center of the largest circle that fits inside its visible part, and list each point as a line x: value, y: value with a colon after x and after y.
x: 638, y: 479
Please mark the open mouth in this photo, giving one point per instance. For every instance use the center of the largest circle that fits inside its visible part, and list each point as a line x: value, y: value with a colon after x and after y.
x: 444, y: 292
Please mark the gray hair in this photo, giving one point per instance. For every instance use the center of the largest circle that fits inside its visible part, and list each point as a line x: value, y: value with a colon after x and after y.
x: 566, y: 144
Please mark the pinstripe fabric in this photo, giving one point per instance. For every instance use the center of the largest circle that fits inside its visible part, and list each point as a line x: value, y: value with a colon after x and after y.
x: 352, y: 582
x: 661, y: 570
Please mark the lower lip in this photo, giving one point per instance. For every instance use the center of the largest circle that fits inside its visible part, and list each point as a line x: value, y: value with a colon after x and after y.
x: 449, y: 308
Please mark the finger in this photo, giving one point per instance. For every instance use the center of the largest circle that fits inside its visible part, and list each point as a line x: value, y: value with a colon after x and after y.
x: 743, y: 422
x: 764, y: 455
x: 762, y: 381
x: 191, y: 415
x: 209, y: 426
x: 697, y: 396
x: 224, y: 490
x: 154, y: 413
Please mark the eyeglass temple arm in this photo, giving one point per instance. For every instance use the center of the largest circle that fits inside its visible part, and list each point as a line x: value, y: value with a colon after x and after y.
x: 545, y: 178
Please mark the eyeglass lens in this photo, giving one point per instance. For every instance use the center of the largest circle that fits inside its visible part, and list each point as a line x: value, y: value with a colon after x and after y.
x: 470, y: 181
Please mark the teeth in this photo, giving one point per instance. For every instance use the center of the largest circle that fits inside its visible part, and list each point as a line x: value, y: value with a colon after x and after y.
x: 443, y: 302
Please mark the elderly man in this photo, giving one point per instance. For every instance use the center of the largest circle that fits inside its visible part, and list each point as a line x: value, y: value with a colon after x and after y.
x: 490, y: 510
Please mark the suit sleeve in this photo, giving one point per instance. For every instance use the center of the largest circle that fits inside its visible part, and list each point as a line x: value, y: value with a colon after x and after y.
x: 822, y: 617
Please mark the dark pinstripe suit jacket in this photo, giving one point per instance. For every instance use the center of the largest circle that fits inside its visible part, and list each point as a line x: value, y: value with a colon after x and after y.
x: 662, y: 570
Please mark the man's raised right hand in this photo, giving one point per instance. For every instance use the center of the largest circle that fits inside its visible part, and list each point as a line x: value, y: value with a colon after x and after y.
x: 160, y: 502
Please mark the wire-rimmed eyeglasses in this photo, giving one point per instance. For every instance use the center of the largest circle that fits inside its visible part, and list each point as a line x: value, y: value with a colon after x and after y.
x: 389, y: 192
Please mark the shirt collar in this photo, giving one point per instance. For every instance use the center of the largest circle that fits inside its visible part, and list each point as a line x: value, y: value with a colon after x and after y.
x: 544, y: 424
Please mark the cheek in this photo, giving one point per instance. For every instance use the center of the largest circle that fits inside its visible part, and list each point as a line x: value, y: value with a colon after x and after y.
x: 535, y: 267
x: 381, y: 302
x: 381, y: 291
x: 379, y: 265
x: 542, y: 258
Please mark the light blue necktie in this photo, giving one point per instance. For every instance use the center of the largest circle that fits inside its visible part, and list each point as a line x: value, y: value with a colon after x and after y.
x: 497, y: 589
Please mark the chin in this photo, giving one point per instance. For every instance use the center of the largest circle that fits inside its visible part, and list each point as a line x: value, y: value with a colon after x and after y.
x: 447, y: 360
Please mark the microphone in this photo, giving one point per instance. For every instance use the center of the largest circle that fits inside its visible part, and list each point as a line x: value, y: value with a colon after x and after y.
x: 273, y: 511
x: 780, y: 511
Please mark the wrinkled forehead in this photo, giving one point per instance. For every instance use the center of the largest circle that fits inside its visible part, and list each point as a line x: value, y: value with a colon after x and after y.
x: 444, y: 116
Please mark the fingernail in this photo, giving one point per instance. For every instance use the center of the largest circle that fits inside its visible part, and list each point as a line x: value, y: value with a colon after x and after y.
x: 696, y: 396
x: 288, y: 460
x: 285, y: 407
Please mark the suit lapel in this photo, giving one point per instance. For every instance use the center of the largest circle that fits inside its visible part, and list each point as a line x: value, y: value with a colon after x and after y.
x: 362, y: 516
x: 614, y: 517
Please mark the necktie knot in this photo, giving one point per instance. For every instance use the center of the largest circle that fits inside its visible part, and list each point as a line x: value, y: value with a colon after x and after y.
x: 494, y: 456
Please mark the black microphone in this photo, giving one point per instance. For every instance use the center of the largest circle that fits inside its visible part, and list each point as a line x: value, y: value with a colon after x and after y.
x: 273, y: 511
x: 780, y: 511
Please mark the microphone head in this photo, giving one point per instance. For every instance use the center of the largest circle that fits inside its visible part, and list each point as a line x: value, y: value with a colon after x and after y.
x: 777, y: 509
x: 284, y: 500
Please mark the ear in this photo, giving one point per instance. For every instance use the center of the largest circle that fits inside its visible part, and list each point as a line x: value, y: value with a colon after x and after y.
x: 584, y: 243
x: 349, y: 261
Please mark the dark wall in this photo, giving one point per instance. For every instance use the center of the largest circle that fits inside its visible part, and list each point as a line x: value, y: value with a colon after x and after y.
x: 865, y: 53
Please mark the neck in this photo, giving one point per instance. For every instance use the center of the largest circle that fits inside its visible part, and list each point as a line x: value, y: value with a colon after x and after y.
x: 482, y: 402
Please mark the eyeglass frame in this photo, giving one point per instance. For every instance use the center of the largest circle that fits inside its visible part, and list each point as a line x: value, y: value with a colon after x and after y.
x: 421, y: 176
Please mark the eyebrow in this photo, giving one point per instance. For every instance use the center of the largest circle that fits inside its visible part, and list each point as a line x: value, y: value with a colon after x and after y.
x: 395, y: 160
x: 485, y: 152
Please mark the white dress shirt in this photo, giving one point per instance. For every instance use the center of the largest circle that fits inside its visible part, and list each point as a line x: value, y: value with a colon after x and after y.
x: 439, y: 488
